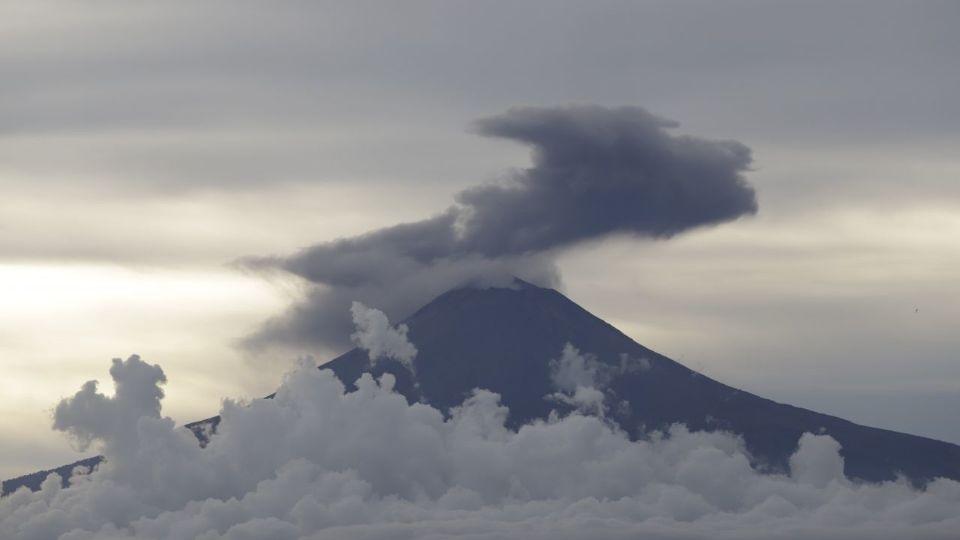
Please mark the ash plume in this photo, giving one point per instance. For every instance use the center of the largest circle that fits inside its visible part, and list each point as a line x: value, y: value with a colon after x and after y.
x: 595, y: 172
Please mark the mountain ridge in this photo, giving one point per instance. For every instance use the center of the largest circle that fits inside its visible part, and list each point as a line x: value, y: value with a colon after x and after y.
x: 668, y: 393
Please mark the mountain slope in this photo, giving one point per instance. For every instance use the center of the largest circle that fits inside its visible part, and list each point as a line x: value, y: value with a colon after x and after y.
x: 503, y: 339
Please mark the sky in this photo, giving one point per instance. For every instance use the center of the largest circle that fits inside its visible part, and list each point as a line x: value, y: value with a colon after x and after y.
x: 163, y: 165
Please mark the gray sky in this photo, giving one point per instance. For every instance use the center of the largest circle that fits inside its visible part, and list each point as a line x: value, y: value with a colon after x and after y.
x: 145, y: 146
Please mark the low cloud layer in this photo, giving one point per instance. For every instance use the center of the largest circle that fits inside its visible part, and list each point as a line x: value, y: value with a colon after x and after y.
x: 596, y: 171
x: 322, y: 462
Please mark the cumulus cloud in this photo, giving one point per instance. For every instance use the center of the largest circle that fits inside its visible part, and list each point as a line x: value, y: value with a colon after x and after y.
x: 90, y: 415
x: 596, y: 171
x: 576, y: 378
x: 582, y: 381
x: 375, y: 335
x: 600, y: 170
x: 320, y: 461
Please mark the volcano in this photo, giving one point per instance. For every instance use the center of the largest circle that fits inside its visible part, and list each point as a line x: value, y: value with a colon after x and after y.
x: 504, y: 338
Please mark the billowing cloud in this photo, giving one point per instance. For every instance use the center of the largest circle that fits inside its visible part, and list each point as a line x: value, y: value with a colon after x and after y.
x: 582, y: 382
x: 381, y: 340
x: 576, y: 377
x: 396, y: 285
x: 90, y: 415
x: 319, y: 461
x: 596, y: 171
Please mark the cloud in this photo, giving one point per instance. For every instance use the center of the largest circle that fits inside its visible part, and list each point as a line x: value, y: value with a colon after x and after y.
x: 817, y: 461
x: 90, y: 415
x: 596, y: 171
x: 583, y: 382
x: 397, y: 286
x: 375, y: 335
x: 319, y: 461
x: 576, y: 378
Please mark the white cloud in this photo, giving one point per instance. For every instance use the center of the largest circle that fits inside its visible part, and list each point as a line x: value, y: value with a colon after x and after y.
x: 576, y: 378
x: 375, y: 335
x: 89, y: 415
x: 320, y: 462
x: 581, y: 380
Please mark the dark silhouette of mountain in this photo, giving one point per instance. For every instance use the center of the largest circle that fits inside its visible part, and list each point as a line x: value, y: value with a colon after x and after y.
x: 503, y: 339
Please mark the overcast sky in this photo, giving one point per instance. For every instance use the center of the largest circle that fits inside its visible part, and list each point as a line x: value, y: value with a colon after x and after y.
x: 144, y: 147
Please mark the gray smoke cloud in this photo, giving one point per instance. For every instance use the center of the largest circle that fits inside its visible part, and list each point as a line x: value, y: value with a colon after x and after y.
x: 579, y: 380
x: 595, y: 171
x: 598, y: 171
x: 320, y: 462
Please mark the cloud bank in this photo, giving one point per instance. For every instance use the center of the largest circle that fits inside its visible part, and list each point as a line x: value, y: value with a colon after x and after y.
x: 321, y: 462
x: 595, y: 171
